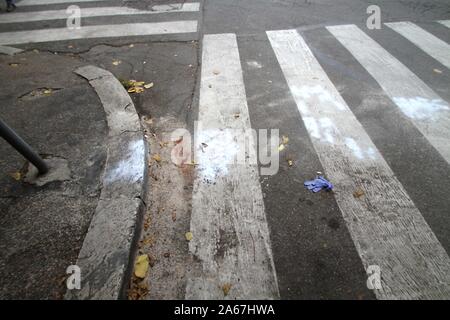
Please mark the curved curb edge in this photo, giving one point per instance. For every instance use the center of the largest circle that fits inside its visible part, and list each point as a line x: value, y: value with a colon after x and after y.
x: 106, y: 257
x: 10, y: 51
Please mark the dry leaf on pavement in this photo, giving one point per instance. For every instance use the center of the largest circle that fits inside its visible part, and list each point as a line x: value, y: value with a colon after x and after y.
x: 133, y: 86
x: 358, y: 193
x: 157, y: 157
x: 141, y: 266
x: 226, y: 288
x: 16, y: 175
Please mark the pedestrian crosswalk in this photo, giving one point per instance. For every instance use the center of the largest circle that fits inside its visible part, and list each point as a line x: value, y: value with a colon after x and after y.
x: 386, y: 226
x: 147, y: 25
x: 351, y: 160
x: 429, y: 112
x: 432, y: 45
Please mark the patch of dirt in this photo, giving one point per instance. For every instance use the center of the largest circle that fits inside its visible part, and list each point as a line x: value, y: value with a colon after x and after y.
x: 168, y: 214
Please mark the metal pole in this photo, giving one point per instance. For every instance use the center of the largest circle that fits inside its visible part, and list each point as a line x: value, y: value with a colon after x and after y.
x: 22, y: 147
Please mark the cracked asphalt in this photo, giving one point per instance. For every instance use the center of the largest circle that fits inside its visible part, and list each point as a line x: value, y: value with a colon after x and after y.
x: 55, y: 111
x: 43, y: 227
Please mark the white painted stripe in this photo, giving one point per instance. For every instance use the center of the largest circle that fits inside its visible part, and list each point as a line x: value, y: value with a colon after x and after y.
x: 429, y: 112
x: 44, y: 2
x: 92, y: 12
x: 429, y: 43
x: 228, y: 222
x: 386, y: 227
x: 445, y: 23
x: 100, y: 31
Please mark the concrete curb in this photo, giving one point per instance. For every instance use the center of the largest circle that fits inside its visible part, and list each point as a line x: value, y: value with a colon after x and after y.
x: 10, y: 51
x: 110, y: 245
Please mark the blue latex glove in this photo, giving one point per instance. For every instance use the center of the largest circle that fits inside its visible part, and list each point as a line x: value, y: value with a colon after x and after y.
x: 318, y: 184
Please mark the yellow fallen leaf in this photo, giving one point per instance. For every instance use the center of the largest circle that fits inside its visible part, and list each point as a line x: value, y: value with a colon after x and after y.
x: 290, y: 163
x: 284, y: 140
x: 14, y: 65
x: 16, y: 175
x: 148, y: 85
x: 281, y: 147
x: 138, y: 83
x: 138, y: 89
x: 226, y: 288
x: 189, y: 236
x: 116, y: 62
x: 157, y: 158
x: 48, y: 91
x: 141, y: 266
x: 358, y: 193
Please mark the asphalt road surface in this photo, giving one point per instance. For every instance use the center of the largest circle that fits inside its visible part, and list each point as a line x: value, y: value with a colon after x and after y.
x: 369, y: 108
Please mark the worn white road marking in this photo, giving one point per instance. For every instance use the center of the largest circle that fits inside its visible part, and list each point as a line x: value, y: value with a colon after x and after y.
x: 228, y: 223
x: 429, y: 43
x: 42, y: 2
x: 186, y: 6
x: 386, y: 227
x: 429, y: 112
x: 445, y: 23
x: 100, y: 31
x: 91, y: 12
